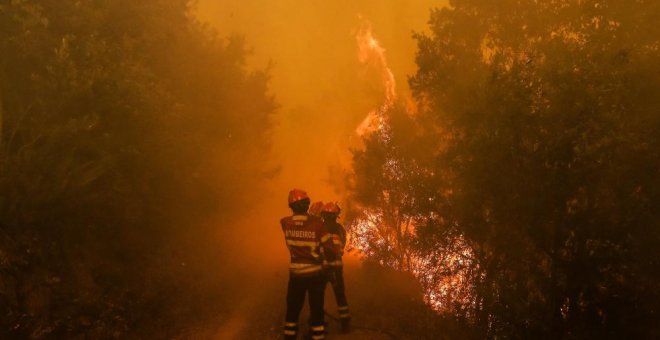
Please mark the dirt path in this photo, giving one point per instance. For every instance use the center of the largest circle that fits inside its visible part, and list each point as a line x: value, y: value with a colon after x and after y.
x: 259, y: 308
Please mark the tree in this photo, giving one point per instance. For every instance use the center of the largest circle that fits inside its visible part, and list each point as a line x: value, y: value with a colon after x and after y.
x: 545, y: 161
x: 114, y: 114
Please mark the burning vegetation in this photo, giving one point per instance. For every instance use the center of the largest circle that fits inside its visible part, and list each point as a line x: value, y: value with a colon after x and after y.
x: 385, y: 232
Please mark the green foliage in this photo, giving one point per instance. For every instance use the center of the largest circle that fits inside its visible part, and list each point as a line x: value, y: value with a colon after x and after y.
x: 115, y: 117
x: 540, y: 124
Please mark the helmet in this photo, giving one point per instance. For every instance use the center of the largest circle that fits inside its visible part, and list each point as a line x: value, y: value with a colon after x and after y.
x: 331, y: 208
x: 315, y: 208
x: 296, y: 195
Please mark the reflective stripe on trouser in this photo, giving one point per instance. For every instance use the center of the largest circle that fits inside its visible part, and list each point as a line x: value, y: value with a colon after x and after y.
x: 318, y: 332
x: 304, y: 268
x: 290, y: 330
x: 343, y: 312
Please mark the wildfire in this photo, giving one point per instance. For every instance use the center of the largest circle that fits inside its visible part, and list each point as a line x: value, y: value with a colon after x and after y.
x: 371, y: 52
x: 443, y: 273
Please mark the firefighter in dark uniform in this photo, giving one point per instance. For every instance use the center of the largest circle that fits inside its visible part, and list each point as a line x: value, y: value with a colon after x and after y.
x: 309, y: 245
x: 330, y: 213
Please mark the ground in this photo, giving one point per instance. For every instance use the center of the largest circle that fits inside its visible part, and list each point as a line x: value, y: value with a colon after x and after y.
x: 378, y: 298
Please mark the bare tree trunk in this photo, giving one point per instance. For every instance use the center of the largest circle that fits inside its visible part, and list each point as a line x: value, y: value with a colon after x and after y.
x: 556, y: 326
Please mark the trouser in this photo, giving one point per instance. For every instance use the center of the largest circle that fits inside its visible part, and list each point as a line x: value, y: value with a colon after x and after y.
x: 340, y: 294
x: 298, y: 287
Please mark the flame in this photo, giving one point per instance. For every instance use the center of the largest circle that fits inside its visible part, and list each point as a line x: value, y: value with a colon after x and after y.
x: 369, y: 123
x: 371, y: 52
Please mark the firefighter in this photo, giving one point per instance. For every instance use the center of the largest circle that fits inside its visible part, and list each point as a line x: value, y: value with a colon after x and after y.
x: 315, y: 208
x: 330, y: 213
x: 308, y: 245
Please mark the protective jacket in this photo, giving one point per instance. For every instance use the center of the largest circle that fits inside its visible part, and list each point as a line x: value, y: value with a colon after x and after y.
x: 309, y: 243
x: 338, y: 236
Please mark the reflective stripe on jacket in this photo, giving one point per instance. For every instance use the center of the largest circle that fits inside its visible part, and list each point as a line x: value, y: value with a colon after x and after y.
x: 309, y: 244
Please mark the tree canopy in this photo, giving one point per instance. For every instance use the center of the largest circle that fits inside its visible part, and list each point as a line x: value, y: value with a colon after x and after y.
x: 529, y: 177
x: 124, y: 125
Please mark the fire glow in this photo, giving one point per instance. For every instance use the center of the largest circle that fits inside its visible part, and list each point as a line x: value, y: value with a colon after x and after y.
x: 443, y: 274
x: 371, y: 52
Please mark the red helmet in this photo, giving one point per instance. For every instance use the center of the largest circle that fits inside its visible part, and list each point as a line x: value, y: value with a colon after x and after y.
x: 331, y: 208
x: 315, y: 208
x: 296, y: 195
